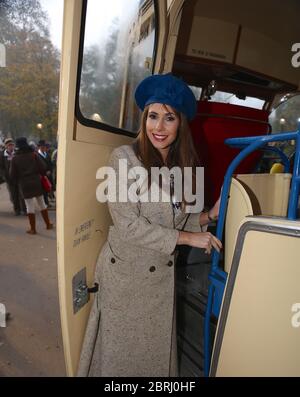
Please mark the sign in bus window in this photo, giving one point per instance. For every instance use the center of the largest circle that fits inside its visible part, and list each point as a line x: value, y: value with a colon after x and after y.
x: 118, y: 52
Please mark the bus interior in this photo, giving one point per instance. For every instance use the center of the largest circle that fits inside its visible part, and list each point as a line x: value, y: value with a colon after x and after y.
x: 236, y: 57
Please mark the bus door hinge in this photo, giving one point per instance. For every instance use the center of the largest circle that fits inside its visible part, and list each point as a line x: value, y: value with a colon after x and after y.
x: 81, y: 291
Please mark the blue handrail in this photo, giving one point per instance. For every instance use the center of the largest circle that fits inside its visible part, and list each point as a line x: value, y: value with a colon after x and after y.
x: 217, y: 276
x: 284, y: 158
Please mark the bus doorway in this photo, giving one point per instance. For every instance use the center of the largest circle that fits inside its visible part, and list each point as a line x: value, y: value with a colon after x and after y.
x: 226, y: 54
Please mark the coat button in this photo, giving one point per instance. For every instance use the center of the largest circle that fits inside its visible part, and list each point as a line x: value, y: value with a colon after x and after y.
x: 113, y: 260
x: 170, y: 263
x: 152, y: 269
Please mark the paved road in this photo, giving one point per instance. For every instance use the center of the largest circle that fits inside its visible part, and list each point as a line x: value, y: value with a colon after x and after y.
x: 31, y: 343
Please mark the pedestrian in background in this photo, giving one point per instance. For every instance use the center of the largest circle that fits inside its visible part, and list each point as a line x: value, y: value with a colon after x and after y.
x: 26, y: 168
x: 43, y: 153
x: 15, y: 194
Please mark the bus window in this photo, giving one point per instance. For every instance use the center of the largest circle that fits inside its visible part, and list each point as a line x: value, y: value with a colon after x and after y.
x: 197, y: 91
x: 119, y: 42
x: 286, y: 115
x: 227, y: 97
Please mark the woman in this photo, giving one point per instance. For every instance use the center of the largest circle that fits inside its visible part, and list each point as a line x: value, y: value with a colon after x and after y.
x: 132, y: 328
x: 26, y: 168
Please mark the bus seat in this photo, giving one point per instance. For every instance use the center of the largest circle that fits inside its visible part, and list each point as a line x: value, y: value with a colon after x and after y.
x: 239, y: 206
x: 216, y: 122
x: 253, y: 194
x: 269, y: 193
x: 257, y: 331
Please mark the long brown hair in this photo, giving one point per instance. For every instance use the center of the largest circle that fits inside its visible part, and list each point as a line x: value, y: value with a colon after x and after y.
x: 182, y: 152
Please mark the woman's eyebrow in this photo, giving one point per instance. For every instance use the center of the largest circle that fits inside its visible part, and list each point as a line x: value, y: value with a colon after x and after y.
x: 165, y: 114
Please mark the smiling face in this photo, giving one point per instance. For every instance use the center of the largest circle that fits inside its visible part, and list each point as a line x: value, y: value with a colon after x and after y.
x: 162, y: 127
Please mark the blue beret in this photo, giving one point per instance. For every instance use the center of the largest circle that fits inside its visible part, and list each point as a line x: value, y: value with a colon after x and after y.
x: 169, y: 90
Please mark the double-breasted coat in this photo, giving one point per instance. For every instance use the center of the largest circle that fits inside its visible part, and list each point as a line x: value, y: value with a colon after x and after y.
x: 132, y: 327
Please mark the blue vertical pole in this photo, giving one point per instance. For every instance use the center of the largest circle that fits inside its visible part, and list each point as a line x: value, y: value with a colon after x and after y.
x: 295, y: 185
x: 207, y: 342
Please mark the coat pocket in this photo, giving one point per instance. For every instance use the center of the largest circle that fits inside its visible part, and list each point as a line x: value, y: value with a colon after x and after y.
x: 119, y: 267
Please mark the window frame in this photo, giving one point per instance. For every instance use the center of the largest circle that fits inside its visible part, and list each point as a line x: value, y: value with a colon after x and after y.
x: 78, y: 114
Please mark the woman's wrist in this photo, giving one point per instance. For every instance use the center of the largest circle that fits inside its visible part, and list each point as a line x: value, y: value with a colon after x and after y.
x: 211, y: 217
x: 203, y: 220
x: 207, y: 217
x: 183, y: 238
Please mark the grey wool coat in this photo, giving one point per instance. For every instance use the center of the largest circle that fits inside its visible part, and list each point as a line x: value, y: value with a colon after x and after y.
x: 132, y: 327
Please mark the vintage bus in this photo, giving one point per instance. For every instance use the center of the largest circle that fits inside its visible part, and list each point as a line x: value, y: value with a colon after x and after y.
x: 238, y: 312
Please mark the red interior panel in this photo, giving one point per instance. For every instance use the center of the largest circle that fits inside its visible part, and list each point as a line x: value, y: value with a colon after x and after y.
x: 216, y: 122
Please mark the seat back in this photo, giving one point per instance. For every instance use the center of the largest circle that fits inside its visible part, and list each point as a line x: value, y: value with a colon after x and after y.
x: 239, y: 206
x: 257, y: 332
x: 253, y: 194
x: 269, y: 193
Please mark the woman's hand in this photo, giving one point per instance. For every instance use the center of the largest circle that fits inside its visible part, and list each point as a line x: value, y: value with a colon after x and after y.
x: 200, y: 240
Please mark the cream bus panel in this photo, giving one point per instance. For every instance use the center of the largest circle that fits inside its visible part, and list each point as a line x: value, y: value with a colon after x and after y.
x: 205, y: 45
x: 83, y: 225
x: 256, y: 37
x: 103, y: 138
x: 266, y: 56
x: 260, y: 337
